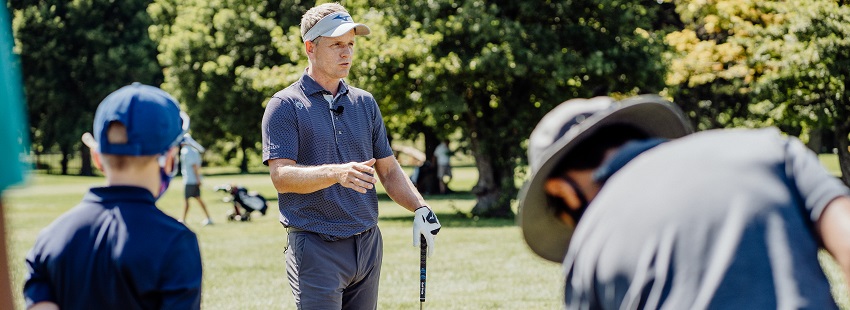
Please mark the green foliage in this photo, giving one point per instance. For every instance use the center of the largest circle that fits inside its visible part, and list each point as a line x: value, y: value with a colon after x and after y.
x: 73, y: 54
x: 775, y: 63
x: 213, y: 54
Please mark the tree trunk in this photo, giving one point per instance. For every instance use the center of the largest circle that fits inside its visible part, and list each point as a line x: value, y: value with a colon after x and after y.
x: 243, y: 166
x: 85, y: 155
x: 429, y: 181
x: 65, y: 159
x: 493, y: 190
x: 841, y: 136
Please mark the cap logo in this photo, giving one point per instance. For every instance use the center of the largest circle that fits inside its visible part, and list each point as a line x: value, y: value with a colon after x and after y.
x: 343, y: 17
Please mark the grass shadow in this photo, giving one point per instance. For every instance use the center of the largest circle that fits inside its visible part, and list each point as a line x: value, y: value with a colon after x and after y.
x: 232, y: 173
x: 458, y: 195
x: 457, y: 219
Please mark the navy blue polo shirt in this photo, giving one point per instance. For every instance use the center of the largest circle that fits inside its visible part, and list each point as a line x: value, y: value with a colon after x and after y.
x: 115, y: 250
x: 299, y: 124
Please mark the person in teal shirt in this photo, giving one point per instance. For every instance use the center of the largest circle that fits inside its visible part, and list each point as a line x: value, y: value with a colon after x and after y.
x: 13, y: 137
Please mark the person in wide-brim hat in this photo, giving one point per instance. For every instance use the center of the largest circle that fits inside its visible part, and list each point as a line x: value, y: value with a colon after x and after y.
x: 546, y: 230
x: 642, y: 214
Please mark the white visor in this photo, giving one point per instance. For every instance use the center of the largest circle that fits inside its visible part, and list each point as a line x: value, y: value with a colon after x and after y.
x: 334, y: 25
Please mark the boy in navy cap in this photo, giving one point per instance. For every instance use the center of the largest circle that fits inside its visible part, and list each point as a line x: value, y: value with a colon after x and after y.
x: 116, y: 250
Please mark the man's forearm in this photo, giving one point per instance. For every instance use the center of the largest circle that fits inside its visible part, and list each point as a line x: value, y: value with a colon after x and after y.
x: 834, y: 229
x: 303, y: 179
x: 401, y: 190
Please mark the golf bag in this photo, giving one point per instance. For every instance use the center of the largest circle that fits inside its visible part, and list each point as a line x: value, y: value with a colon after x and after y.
x: 244, y: 202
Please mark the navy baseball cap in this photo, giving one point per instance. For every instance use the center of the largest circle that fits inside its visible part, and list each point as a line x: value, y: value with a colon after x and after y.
x: 557, y: 134
x: 152, y: 117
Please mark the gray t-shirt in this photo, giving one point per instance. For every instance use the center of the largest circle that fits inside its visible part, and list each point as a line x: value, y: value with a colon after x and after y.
x: 299, y: 124
x: 720, y: 219
x: 189, y: 157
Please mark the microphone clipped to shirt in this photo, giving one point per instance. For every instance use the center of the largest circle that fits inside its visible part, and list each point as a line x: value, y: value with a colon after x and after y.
x: 338, y: 110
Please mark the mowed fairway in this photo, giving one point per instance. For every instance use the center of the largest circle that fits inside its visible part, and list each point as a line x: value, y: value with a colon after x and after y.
x: 481, y: 264
x: 478, y: 264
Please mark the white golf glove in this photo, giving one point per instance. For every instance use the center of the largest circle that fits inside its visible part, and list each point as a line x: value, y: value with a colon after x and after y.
x: 425, y: 223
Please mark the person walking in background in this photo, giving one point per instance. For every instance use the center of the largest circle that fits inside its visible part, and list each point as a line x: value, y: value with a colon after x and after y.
x: 444, y: 166
x: 644, y: 214
x: 325, y: 143
x: 190, y: 156
x: 116, y: 250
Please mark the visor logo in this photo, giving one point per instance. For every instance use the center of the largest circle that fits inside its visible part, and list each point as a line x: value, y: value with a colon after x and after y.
x: 343, y: 17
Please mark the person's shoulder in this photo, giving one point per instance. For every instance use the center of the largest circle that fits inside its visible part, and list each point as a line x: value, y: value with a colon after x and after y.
x: 166, y: 225
x: 288, y: 95
x: 735, y: 134
x: 77, y: 218
x: 359, y: 93
x: 289, y: 91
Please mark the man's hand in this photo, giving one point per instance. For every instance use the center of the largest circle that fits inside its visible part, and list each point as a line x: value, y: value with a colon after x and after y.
x: 358, y: 176
x: 425, y: 223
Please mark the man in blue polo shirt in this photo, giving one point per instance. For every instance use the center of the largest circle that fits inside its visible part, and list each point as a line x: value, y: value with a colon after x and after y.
x: 324, y: 142
x: 116, y: 250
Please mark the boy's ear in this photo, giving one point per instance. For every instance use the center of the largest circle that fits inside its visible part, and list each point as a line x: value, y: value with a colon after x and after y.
x: 89, y: 141
x: 95, y: 156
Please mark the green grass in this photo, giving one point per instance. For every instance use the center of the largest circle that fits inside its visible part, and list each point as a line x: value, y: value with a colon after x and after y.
x: 478, y: 264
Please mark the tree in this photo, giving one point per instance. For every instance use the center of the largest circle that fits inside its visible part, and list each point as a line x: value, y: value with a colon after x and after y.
x: 74, y: 53
x: 804, y: 59
x: 491, y: 69
x: 751, y: 64
x: 212, y: 53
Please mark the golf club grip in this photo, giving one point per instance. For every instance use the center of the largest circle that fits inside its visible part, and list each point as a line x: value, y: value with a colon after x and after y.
x: 423, y: 251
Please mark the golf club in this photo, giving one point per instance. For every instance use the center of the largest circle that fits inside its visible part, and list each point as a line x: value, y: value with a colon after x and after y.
x: 423, y: 250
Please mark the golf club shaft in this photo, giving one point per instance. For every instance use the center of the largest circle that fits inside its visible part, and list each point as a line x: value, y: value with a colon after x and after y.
x: 423, y: 250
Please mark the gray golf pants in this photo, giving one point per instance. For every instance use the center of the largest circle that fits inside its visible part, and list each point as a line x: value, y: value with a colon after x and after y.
x: 340, y: 274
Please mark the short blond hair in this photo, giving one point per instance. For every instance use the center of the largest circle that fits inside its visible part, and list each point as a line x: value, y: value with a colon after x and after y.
x: 315, y: 14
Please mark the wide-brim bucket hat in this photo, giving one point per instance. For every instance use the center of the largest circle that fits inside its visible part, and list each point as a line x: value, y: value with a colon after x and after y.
x: 557, y: 134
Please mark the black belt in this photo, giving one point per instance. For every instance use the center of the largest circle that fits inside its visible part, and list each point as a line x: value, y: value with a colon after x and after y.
x: 291, y: 229
x: 294, y: 229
